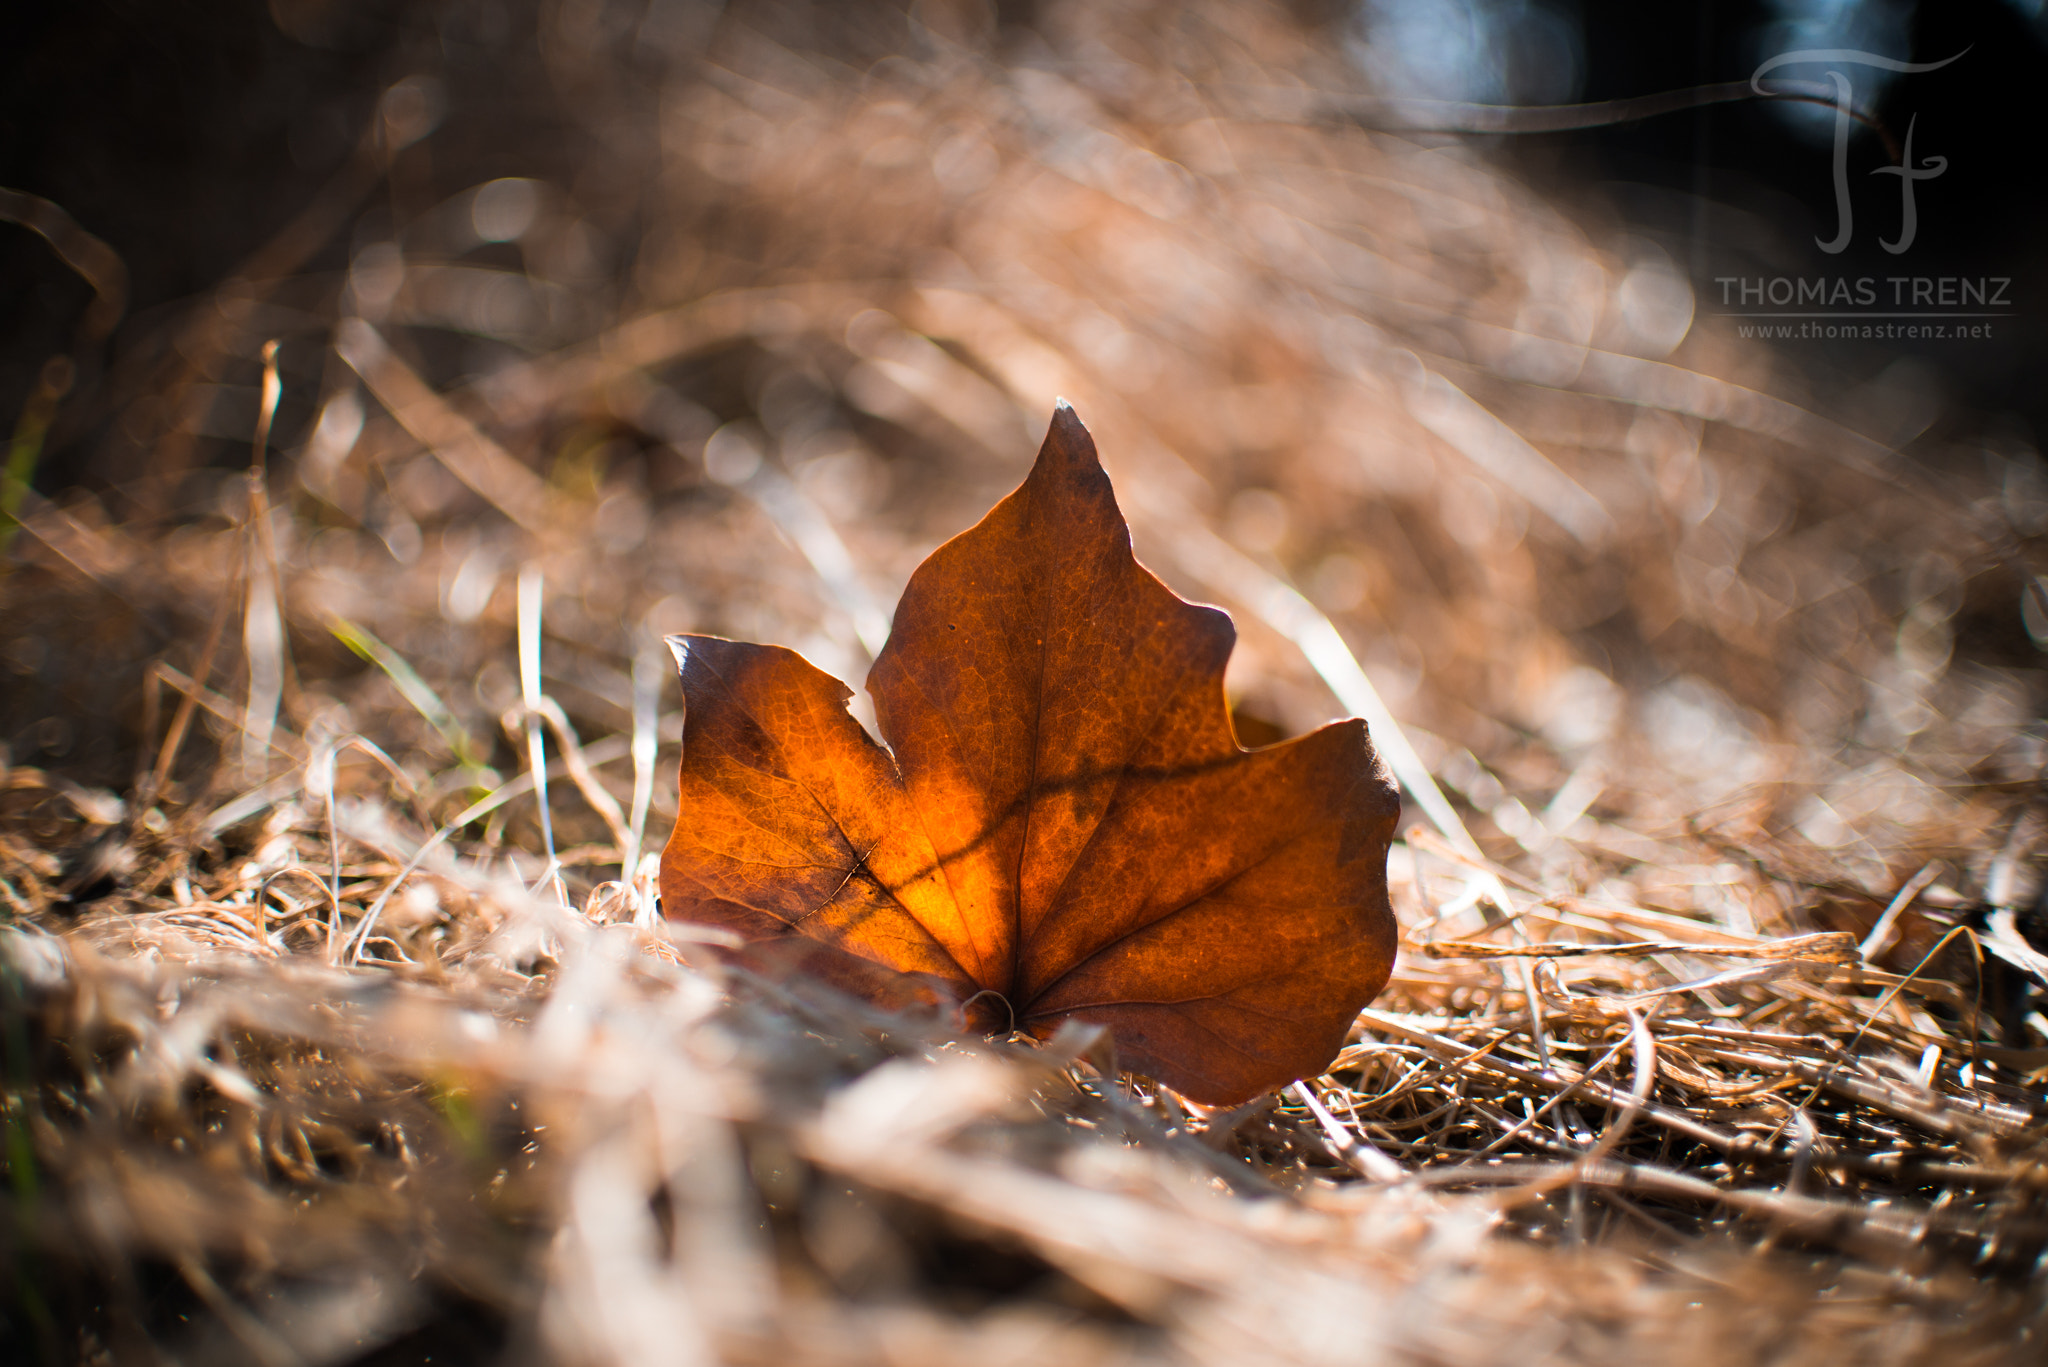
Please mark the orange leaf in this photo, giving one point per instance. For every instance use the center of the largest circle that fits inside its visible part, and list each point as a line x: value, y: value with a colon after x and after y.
x: 1066, y: 822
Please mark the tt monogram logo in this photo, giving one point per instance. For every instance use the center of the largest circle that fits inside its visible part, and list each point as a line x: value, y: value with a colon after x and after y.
x: 1908, y: 171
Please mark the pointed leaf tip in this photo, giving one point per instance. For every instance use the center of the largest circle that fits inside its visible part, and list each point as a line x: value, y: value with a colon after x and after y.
x: 1068, y: 439
x: 1067, y: 427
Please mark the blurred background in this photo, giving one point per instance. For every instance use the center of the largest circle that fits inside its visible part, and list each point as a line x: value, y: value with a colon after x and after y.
x: 724, y: 315
x: 187, y: 134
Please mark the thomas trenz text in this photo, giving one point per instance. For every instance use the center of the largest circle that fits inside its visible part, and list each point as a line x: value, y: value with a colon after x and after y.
x: 1866, y: 291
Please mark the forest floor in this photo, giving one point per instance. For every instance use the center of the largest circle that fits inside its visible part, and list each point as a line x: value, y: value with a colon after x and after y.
x: 338, y: 1030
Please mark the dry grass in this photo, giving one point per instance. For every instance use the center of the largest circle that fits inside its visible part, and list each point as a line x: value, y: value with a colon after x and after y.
x: 1716, y: 1032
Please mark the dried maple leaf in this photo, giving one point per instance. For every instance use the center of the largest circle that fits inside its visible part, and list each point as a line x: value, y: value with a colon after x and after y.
x: 1063, y: 824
